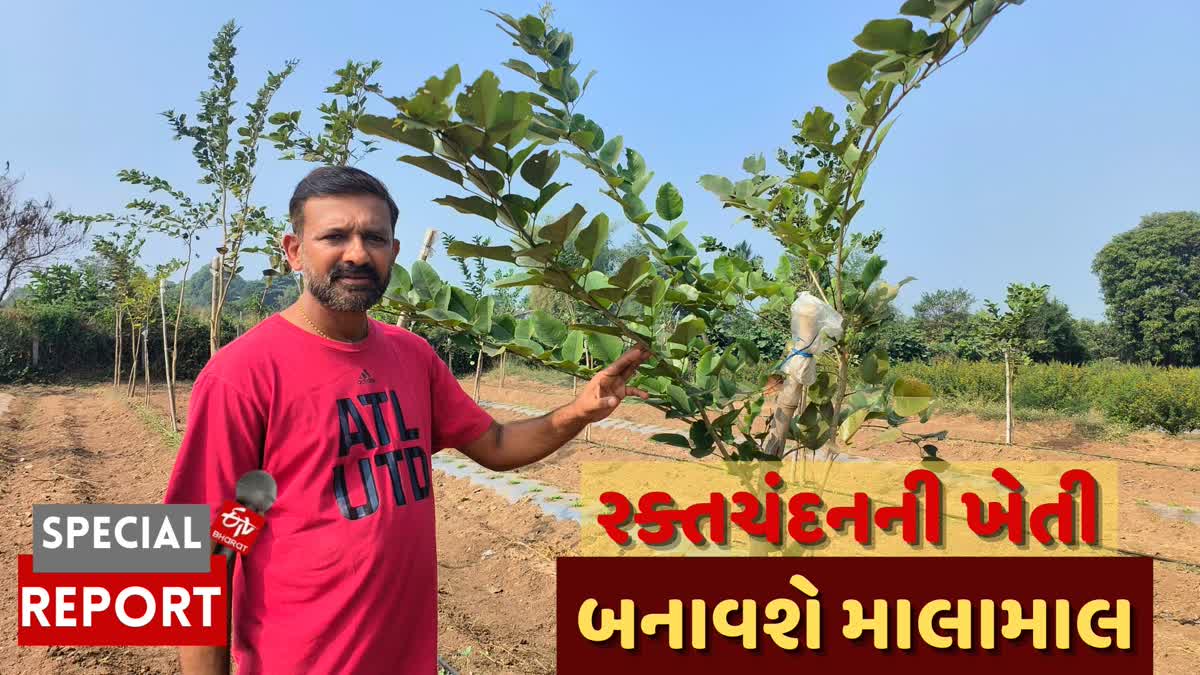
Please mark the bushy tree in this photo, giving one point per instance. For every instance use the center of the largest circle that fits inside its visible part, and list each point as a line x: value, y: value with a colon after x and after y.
x: 501, y: 149
x: 1099, y: 339
x: 31, y: 234
x: 1150, y: 277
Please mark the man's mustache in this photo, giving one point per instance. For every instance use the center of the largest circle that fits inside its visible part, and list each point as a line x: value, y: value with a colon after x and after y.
x: 348, y: 271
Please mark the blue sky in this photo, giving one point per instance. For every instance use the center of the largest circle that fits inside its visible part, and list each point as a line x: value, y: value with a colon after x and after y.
x: 1064, y: 124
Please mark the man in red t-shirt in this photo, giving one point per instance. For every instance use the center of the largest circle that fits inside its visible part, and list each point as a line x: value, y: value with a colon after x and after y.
x: 345, y: 412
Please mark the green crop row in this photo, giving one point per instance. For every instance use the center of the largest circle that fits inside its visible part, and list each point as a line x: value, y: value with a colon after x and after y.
x: 1142, y: 396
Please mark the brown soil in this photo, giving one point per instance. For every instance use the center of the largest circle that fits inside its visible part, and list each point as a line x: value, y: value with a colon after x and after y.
x: 497, y: 609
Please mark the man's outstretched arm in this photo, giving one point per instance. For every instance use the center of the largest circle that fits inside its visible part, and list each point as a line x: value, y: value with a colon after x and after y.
x: 515, y: 444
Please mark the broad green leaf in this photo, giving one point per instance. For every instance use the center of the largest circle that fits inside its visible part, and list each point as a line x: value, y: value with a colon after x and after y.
x: 595, y: 280
x: 540, y: 168
x: 435, y: 166
x: 560, y: 230
x: 442, y: 316
x: 383, y: 127
x: 679, y: 397
x: 851, y: 425
x: 572, y: 346
x: 462, y: 249
x: 483, y: 315
x: 718, y: 185
x: 606, y: 348
x: 921, y: 8
x: 479, y: 102
x: 848, y: 75
x: 687, y: 330
x: 591, y: 239
x: 504, y: 329
x: 461, y: 303
x: 612, y: 150
x: 669, y: 203
x: 472, y: 205
x: 894, y: 35
x: 875, y: 366
x: 910, y: 396
x: 425, y: 279
x: 677, y: 228
x: 754, y: 164
x: 548, y: 329
x: 631, y: 271
x: 531, y: 278
x: 526, y: 69
x: 400, y: 283
x: 635, y: 166
x: 871, y: 271
x: 677, y: 440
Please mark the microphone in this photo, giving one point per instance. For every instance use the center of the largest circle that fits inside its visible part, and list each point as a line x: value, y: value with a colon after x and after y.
x: 257, y: 491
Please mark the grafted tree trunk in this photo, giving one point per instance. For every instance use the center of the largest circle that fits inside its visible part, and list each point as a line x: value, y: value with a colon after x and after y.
x: 146, y: 358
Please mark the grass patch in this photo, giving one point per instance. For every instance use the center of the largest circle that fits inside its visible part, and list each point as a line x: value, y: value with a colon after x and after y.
x: 1092, y: 425
x: 155, y: 421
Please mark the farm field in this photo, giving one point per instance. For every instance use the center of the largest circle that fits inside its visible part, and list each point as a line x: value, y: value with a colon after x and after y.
x: 496, y: 560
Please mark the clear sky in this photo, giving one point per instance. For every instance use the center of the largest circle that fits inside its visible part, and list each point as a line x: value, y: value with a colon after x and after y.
x: 1064, y: 124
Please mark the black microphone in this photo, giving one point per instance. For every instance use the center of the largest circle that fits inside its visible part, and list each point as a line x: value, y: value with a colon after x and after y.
x: 257, y: 491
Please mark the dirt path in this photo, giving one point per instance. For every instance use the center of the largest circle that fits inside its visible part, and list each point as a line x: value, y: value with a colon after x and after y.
x: 61, y: 445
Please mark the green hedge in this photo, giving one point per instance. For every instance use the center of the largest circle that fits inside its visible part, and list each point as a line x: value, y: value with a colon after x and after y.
x: 1142, y: 396
x: 76, y: 343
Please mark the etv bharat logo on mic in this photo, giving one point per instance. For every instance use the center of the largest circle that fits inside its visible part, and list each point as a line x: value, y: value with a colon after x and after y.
x: 138, y: 574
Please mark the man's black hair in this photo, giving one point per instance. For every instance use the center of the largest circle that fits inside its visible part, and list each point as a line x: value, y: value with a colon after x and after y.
x: 337, y: 180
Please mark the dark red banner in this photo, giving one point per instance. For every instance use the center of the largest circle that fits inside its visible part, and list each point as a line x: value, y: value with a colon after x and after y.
x: 910, y: 614
x: 143, y: 609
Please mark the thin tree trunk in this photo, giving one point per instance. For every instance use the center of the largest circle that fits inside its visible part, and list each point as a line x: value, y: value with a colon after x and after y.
x: 214, y: 320
x: 146, y: 358
x: 478, y: 372
x: 179, y: 316
x: 1008, y: 405
x: 426, y: 250
x: 116, y: 348
x: 162, y: 308
x: 133, y: 365
x: 503, y: 367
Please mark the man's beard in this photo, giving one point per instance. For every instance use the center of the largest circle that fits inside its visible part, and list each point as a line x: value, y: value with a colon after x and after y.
x: 341, y: 298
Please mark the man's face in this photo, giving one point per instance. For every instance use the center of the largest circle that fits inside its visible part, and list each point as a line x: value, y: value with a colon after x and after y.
x: 345, y: 250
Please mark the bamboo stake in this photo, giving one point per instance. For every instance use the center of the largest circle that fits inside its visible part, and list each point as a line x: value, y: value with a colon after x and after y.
x: 503, y: 367
x: 146, y: 358
x: 478, y: 372
x: 133, y: 366
x: 1008, y: 406
x: 426, y: 250
x: 168, y: 374
x: 214, y: 323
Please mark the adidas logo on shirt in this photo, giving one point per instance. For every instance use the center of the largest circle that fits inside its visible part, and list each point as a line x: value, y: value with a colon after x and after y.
x: 365, y: 378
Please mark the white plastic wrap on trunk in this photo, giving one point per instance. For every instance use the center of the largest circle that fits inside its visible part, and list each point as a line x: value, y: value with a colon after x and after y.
x: 815, y: 327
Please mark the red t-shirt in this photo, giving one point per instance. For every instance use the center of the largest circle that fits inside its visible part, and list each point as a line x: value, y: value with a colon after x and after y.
x: 343, y: 578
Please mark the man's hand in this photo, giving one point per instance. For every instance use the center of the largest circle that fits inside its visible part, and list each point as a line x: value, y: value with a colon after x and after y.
x: 604, y: 392
x: 516, y: 444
